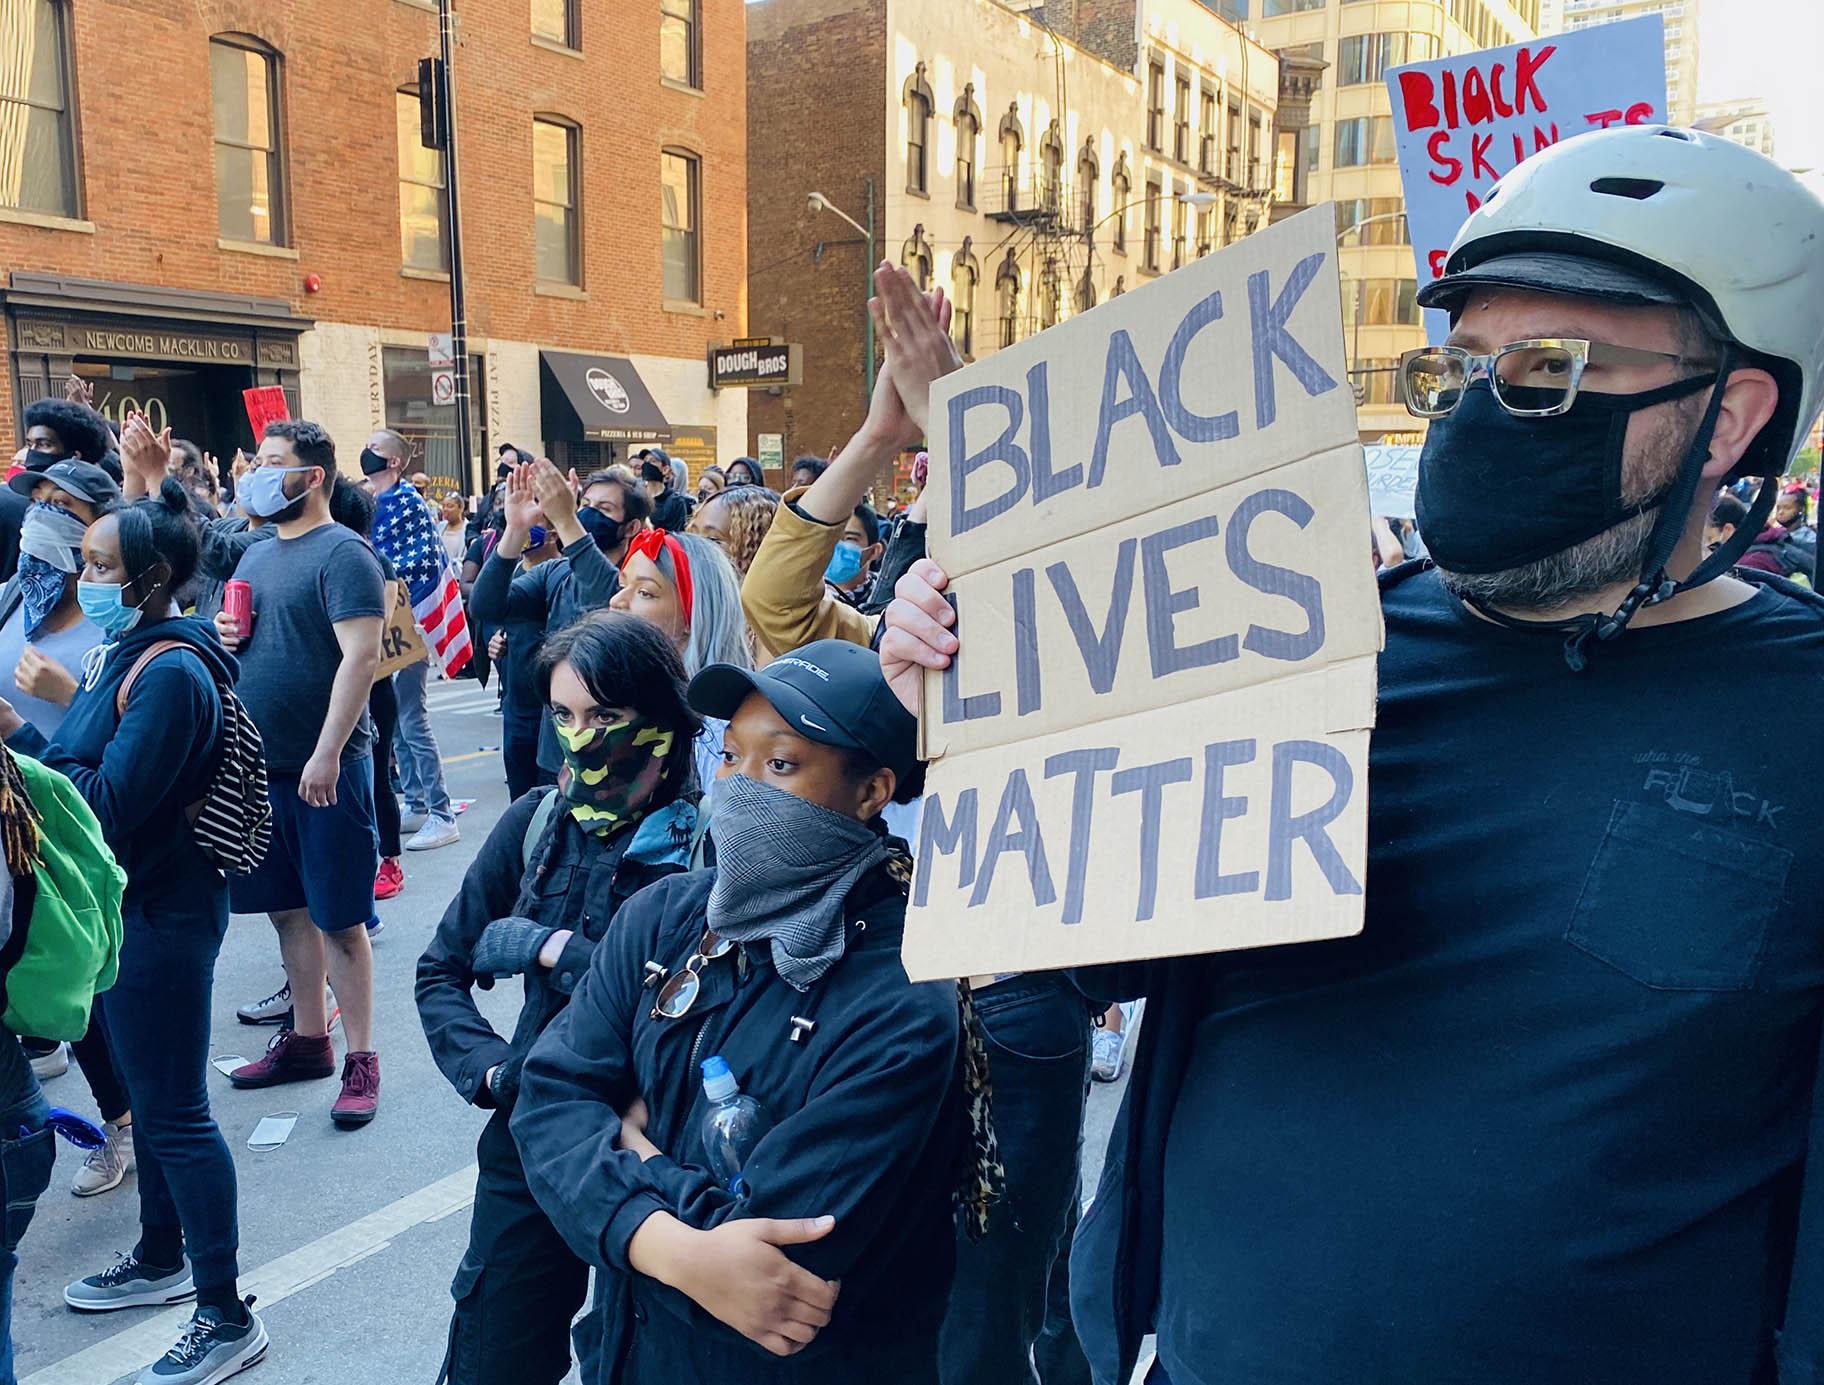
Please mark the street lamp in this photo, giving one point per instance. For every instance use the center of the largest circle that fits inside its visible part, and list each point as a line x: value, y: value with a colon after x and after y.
x: 817, y: 202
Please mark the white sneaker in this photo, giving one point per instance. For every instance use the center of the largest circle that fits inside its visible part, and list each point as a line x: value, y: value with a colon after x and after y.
x: 412, y: 821
x: 1105, y: 1054
x: 104, y: 1169
x: 56, y: 1063
x: 435, y: 833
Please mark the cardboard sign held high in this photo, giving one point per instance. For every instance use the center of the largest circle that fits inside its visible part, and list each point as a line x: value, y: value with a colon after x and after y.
x: 1462, y: 122
x: 1155, y: 739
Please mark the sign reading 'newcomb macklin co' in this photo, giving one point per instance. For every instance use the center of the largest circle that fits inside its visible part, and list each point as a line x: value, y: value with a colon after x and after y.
x: 1155, y: 519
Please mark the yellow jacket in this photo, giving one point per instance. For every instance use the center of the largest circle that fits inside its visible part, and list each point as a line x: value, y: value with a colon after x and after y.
x: 783, y: 594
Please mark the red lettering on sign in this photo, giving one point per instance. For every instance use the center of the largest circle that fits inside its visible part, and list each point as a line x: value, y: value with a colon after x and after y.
x: 1436, y: 261
x: 1479, y: 166
x: 1640, y: 113
x: 1526, y: 78
x: 1476, y: 107
x: 1470, y: 200
x: 1602, y: 118
x: 1494, y: 86
x: 1541, y: 140
x: 1448, y: 169
x: 1416, y: 92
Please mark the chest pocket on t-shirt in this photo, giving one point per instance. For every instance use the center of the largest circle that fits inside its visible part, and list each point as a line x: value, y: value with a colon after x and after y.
x: 1677, y: 902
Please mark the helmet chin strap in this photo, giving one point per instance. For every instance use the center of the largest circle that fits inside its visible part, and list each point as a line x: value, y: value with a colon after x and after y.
x: 1655, y: 586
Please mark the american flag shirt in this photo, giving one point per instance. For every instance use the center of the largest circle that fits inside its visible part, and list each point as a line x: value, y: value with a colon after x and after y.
x: 406, y: 533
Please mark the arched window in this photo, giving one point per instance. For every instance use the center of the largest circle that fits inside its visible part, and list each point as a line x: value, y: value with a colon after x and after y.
x: 1089, y: 172
x: 968, y: 117
x: 1007, y: 298
x: 1120, y: 286
x: 249, y: 148
x: 1051, y: 170
x: 1086, y: 292
x: 1013, y: 141
x: 965, y: 274
x: 1121, y: 186
x: 918, y: 103
x: 915, y: 255
x: 1051, y: 290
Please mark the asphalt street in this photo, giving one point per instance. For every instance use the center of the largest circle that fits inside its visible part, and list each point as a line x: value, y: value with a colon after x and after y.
x: 348, y: 1239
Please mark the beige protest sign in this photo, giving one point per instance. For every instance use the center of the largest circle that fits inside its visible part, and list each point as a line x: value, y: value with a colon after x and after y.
x: 401, y: 644
x: 1155, y: 518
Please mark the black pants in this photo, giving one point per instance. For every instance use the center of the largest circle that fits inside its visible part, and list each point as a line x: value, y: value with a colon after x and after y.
x: 1037, y: 1027
x: 518, y: 1287
x: 519, y: 753
x: 98, y: 1069
x: 383, y: 706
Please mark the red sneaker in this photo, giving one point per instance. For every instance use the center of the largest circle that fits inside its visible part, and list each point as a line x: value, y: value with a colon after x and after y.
x: 360, y: 1097
x: 289, y: 1058
x: 389, y: 881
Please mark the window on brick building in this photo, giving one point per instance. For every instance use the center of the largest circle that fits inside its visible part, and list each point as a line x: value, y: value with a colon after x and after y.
x: 968, y: 127
x: 1206, y: 131
x: 1180, y: 213
x: 37, y: 140
x: 249, y: 172
x: 559, y: 248
x: 1155, y: 106
x: 680, y: 43
x: 424, y: 198
x: 1089, y: 173
x: 681, y: 200
x: 1149, y: 255
x: 1121, y: 187
x: 1007, y: 298
x: 1051, y: 169
x: 1086, y: 292
x: 1013, y: 141
x: 1181, y: 120
x: 557, y: 21
x: 965, y: 274
x: 917, y: 99
x: 915, y: 255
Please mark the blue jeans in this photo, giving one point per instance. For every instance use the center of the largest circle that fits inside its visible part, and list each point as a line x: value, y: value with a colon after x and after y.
x: 1037, y: 1030
x: 420, y: 762
x: 158, y: 1020
x: 26, y: 1156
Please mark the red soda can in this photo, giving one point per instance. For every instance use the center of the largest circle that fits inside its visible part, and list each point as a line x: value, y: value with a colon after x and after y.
x: 237, y: 604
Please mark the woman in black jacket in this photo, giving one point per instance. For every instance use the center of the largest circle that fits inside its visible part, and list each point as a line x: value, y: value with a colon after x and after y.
x: 830, y: 1258
x: 537, y: 900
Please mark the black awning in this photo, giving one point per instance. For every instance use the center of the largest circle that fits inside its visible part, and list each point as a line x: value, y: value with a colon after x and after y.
x: 597, y: 399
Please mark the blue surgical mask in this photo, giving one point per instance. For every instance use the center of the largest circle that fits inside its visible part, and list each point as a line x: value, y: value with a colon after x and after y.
x: 262, y: 490
x: 101, y: 603
x: 535, y: 537
x: 845, y: 563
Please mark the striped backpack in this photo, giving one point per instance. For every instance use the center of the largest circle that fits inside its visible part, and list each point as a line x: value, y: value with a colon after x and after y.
x: 232, y: 822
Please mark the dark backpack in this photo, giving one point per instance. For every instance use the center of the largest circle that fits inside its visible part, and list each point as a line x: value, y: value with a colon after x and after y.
x: 232, y: 822
x: 1798, y: 561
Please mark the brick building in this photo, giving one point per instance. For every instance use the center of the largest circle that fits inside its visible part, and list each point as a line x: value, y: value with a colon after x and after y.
x: 1034, y: 160
x: 261, y: 211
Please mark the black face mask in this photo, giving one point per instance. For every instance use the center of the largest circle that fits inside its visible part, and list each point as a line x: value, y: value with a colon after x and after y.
x: 38, y: 458
x: 604, y: 529
x: 1498, y: 492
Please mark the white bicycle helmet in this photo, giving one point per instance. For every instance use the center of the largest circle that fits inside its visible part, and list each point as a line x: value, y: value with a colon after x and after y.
x: 1649, y: 214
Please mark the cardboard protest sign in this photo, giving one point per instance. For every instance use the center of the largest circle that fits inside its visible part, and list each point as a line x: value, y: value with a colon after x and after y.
x: 401, y: 645
x: 265, y: 404
x: 1460, y: 123
x: 1154, y: 740
x: 1393, y: 479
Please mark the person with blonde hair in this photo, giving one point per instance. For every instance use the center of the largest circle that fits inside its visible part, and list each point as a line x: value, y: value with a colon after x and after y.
x: 736, y: 521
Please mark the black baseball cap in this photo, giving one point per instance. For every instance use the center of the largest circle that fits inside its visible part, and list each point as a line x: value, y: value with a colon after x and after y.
x: 84, y: 480
x: 831, y: 692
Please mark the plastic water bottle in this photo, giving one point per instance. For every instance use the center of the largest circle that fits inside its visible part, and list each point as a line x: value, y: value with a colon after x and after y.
x: 732, y: 1126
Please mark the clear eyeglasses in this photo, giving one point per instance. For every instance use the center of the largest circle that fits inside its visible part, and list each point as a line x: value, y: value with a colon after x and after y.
x: 1530, y: 379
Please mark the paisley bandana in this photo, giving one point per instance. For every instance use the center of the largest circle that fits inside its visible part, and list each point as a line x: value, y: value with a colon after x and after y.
x: 611, y: 772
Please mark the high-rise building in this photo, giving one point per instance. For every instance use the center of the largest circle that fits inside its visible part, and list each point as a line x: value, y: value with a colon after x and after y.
x: 1681, y: 42
x: 1346, y: 154
x: 1747, y: 122
x: 1034, y: 159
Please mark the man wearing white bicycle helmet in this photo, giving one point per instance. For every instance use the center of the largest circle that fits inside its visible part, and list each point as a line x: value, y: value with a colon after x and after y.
x: 1549, y: 1119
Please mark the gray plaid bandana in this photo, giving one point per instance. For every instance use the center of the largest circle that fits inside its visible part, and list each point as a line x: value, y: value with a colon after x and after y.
x: 784, y: 866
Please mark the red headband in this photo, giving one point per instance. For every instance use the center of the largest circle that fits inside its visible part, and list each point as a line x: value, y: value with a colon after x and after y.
x: 650, y: 544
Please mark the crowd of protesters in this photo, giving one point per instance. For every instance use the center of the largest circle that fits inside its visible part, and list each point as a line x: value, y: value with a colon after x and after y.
x: 1547, y: 1118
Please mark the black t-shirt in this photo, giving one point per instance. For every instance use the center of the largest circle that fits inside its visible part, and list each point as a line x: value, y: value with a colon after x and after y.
x: 1546, y: 1118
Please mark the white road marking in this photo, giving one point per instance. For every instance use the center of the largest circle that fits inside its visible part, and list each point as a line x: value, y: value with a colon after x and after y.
x: 138, y: 1346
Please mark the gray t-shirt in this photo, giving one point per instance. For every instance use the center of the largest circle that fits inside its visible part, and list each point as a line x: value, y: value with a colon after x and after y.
x: 301, y: 588
x: 67, y: 646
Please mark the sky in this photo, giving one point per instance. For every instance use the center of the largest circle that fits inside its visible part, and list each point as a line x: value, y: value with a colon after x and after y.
x: 1772, y: 49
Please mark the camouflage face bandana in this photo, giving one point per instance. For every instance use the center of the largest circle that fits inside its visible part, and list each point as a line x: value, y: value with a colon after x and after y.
x: 611, y: 772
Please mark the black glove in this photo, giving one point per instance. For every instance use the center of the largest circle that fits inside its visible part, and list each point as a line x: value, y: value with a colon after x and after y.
x: 503, y: 1086
x: 508, y: 947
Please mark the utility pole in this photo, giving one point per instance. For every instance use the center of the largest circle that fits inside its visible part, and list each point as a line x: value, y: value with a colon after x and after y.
x: 437, y: 102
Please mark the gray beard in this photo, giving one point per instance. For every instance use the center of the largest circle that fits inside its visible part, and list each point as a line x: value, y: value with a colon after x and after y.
x: 1611, y: 558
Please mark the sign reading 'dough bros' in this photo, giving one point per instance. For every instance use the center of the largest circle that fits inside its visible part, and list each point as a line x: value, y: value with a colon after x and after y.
x: 1460, y: 123
x: 1154, y: 740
